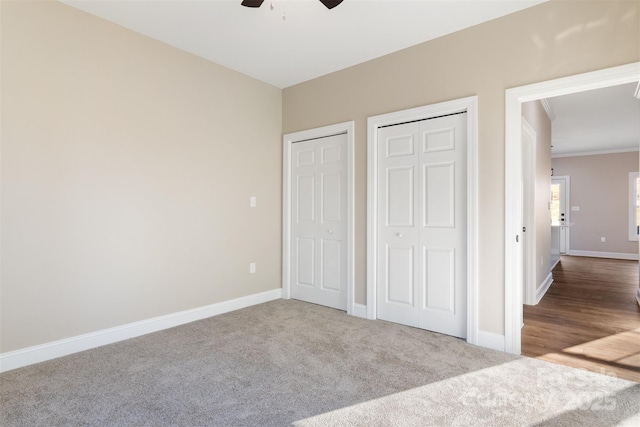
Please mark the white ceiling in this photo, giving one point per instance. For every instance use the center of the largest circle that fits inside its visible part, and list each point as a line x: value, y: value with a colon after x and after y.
x: 601, y: 120
x: 311, y: 42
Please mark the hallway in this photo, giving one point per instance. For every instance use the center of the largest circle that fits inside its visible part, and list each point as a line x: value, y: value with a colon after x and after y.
x: 589, y: 318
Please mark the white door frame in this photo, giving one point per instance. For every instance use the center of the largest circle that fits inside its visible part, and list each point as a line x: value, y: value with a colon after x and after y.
x: 288, y: 139
x: 513, y: 176
x: 529, y: 191
x: 470, y: 105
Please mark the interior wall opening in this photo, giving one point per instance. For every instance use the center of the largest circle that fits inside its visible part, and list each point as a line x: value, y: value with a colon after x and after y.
x: 513, y: 183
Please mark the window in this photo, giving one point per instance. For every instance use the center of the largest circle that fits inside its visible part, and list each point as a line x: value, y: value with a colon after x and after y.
x: 555, y: 204
x: 634, y: 206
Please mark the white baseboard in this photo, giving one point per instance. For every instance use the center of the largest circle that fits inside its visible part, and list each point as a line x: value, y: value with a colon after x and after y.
x: 491, y: 340
x: 613, y: 255
x: 359, y: 310
x: 40, y: 353
x: 544, y: 287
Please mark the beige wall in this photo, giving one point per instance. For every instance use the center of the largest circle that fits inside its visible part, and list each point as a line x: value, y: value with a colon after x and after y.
x: 127, y: 164
x: 127, y: 167
x: 536, y: 116
x: 551, y: 40
x: 600, y: 186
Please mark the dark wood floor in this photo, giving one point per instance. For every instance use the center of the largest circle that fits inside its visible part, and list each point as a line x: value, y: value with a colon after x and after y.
x: 589, y: 318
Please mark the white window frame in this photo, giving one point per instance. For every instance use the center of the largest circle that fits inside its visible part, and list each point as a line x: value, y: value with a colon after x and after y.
x: 633, y: 231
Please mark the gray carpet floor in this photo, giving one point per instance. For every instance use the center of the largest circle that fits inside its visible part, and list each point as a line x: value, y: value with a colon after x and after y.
x: 288, y: 362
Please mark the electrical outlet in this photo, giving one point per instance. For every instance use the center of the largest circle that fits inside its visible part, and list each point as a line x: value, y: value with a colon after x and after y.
x: 252, y: 267
x: 603, y: 240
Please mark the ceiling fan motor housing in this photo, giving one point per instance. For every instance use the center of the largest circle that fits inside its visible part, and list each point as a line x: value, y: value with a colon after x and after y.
x: 330, y: 4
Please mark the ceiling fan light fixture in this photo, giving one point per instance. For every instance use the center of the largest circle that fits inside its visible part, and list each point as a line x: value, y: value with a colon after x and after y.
x: 252, y: 3
x: 330, y: 4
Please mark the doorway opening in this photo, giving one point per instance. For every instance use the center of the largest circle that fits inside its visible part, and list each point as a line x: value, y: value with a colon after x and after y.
x: 514, y: 178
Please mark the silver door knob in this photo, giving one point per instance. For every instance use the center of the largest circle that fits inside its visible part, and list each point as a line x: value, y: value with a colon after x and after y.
x: 330, y: 231
x: 399, y: 234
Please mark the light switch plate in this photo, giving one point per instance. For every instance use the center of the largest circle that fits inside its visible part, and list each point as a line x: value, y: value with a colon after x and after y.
x: 252, y: 201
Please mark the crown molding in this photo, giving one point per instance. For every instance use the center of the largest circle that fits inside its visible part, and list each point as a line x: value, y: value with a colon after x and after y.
x: 547, y: 108
x: 595, y: 152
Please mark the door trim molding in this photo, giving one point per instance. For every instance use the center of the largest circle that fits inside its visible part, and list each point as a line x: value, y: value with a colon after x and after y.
x: 513, y: 176
x: 470, y: 105
x: 633, y: 234
x: 529, y: 183
x: 288, y: 139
